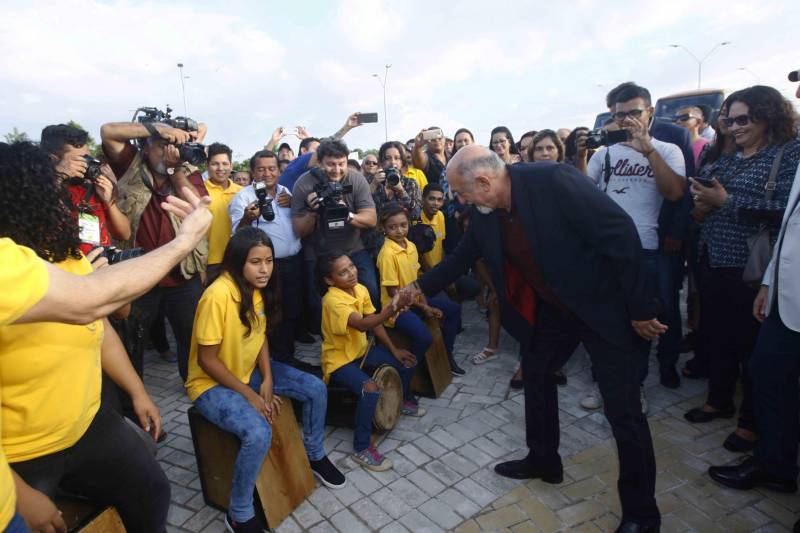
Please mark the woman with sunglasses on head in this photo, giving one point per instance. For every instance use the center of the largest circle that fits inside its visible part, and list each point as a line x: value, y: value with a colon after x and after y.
x: 733, y: 202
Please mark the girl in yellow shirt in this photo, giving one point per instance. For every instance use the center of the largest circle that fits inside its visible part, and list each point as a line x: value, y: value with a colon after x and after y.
x: 233, y: 382
x: 347, y: 313
x: 398, y: 263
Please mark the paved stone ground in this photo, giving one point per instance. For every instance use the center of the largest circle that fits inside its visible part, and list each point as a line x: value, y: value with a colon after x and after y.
x: 443, y: 478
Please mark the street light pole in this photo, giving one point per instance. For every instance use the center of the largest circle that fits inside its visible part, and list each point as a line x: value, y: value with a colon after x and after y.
x: 700, y: 61
x: 384, y: 83
x: 183, y: 90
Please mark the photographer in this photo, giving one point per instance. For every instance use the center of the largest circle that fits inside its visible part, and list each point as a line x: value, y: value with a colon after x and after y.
x: 330, y: 207
x: 390, y: 186
x: 92, y: 188
x: 266, y: 206
x: 149, y: 175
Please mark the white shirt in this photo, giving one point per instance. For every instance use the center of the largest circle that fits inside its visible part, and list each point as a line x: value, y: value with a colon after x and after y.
x: 632, y: 184
x: 708, y: 134
x: 280, y: 229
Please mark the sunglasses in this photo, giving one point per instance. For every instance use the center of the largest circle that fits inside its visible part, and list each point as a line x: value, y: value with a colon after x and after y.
x: 684, y: 117
x: 741, y: 120
x: 370, y: 162
x: 633, y: 113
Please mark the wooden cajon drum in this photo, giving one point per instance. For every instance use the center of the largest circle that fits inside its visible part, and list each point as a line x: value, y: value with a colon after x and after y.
x: 285, y: 479
x: 434, y: 376
x: 85, y: 517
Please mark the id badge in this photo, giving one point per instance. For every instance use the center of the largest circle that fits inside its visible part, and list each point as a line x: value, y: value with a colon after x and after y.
x: 89, y: 228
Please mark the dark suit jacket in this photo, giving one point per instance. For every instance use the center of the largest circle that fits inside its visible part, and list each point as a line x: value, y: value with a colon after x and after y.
x: 585, y: 245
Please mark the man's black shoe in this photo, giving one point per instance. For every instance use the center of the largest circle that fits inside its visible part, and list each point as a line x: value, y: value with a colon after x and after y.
x: 633, y: 527
x: 523, y: 469
x: 455, y: 369
x: 749, y: 474
x: 326, y: 472
x: 737, y: 444
x: 698, y: 416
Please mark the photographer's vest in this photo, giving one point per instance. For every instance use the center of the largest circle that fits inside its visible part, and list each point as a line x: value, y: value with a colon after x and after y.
x: 135, y: 192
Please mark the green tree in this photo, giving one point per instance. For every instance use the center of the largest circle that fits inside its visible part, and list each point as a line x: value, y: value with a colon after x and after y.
x: 15, y: 135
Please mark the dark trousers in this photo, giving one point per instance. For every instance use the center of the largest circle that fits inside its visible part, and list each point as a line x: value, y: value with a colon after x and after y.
x: 281, y: 339
x: 775, y: 369
x: 366, y: 276
x: 109, y: 465
x: 158, y: 332
x: 179, y: 304
x: 670, y: 280
x: 616, y: 366
x: 731, y: 332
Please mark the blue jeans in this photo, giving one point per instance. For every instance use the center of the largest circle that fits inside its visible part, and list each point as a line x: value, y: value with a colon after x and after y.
x: 412, y: 325
x: 231, y: 412
x: 670, y: 279
x: 353, y: 379
x: 649, y: 265
x: 17, y: 525
x: 774, y: 370
x: 366, y: 276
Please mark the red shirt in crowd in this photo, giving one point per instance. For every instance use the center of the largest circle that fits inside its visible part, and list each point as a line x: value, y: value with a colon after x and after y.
x: 91, y: 206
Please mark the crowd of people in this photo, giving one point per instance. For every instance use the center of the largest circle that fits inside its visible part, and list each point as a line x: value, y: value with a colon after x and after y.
x: 562, y: 240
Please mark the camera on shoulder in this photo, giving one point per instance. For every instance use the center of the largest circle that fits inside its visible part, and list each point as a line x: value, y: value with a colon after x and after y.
x: 193, y: 153
x: 330, y: 195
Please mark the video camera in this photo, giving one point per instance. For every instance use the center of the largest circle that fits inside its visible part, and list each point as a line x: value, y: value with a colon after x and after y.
x: 330, y: 195
x: 263, y: 201
x: 191, y: 152
x: 600, y: 137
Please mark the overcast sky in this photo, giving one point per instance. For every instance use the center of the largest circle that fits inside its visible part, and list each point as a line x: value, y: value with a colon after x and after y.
x: 254, y: 65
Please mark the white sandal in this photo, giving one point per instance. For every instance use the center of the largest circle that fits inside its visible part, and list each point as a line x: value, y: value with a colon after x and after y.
x: 482, y: 356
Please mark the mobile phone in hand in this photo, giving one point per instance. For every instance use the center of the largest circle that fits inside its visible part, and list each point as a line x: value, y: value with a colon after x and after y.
x: 435, y: 133
x: 365, y: 118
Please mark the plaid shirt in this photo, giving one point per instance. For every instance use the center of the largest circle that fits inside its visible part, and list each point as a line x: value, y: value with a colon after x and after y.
x: 724, y: 231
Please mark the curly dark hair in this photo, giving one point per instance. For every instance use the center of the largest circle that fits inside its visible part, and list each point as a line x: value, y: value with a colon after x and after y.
x: 35, y: 210
x: 767, y: 105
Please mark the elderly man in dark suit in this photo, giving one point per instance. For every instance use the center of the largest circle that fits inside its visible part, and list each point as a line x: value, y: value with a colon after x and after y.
x: 565, y: 259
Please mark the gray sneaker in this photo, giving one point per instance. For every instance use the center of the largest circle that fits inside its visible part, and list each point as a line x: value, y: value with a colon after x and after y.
x: 593, y: 400
x: 412, y: 409
x: 370, y: 459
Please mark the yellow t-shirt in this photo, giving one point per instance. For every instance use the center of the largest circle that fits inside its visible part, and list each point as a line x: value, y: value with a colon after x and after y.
x: 435, y: 256
x: 217, y: 321
x: 220, y: 232
x: 23, y: 282
x: 418, y: 176
x: 342, y: 344
x: 398, y: 267
x: 51, y: 377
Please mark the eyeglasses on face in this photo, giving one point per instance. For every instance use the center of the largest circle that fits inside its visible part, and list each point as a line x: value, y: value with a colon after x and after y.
x: 633, y: 113
x: 740, y: 120
x: 684, y: 117
x: 370, y: 162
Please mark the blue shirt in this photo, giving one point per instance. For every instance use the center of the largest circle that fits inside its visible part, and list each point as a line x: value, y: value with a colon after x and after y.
x: 296, y: 168
x: 724, y: 231
x: 280, y: 229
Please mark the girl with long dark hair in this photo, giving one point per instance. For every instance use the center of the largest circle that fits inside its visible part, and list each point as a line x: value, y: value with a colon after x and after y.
x: 233, y: 382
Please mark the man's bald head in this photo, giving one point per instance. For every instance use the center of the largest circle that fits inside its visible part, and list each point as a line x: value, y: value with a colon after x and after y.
x: 474, y: 173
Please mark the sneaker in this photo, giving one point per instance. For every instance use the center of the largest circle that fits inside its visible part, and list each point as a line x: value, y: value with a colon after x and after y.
x: 370, y: 459
x: 328, y: 474
x: 643, y: 399
x: 482, y: 356
x: 251, y: 526
x: 593, y: 400
x: 412, y: 409
x: 455, y: 369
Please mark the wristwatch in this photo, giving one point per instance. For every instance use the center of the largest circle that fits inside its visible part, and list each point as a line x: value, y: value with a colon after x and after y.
x: 183, y: 166
x: 350, y: 216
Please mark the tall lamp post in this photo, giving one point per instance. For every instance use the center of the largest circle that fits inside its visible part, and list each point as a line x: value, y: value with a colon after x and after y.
x: 700, y: 61
x: 385, y: 114
x: 183, y: 89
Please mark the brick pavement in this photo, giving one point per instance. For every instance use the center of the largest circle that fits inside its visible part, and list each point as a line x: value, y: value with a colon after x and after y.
x: 443, y: 478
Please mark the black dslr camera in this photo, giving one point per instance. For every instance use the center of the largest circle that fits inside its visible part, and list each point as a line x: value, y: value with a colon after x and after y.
x: 600, y: 137
x: 92, y: 168
x: 392, y: 177
x: 330, y: 195
x: 115, y: 255
x: 263, y: 201
x: 191, y: 152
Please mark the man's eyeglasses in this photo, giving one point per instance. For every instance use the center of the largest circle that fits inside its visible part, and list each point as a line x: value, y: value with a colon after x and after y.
x: 741, y: 120
x: 633, y: 113
x: 684, y: 117
x: 370, y: 162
